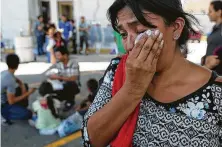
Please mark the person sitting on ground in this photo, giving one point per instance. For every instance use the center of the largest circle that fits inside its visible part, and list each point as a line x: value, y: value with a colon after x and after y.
x: 49, y: 45
x: 67, y: 76
x: 46, y: 107
x: 92, y: 86
x: 59, y: 41
x: 14, y: 99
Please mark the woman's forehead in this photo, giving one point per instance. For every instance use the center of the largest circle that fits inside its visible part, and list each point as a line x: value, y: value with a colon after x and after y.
x: 126, y: 16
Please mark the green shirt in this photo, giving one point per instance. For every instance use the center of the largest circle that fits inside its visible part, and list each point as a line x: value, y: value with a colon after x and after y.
x: 119, y: 43
x: 45, y: 118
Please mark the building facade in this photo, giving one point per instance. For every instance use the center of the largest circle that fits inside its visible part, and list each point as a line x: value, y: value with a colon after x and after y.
x: 20, y: 15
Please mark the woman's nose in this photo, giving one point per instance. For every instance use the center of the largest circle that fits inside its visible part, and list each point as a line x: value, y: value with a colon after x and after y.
x: 130, y: 42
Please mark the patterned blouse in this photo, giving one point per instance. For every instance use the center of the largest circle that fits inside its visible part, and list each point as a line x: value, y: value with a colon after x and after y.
x: 193, y: 121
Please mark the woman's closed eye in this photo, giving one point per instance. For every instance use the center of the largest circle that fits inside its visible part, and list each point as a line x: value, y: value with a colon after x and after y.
x: 124, y: 35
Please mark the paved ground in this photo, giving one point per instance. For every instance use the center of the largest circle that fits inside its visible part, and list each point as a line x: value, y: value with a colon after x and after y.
x: 21, y: 134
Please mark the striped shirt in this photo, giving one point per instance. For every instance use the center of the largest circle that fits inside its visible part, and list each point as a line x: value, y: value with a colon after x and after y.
x: 69, y: 70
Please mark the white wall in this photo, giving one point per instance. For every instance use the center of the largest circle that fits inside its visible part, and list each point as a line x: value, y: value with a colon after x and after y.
x: 93, y: 9
x: 16, y: 14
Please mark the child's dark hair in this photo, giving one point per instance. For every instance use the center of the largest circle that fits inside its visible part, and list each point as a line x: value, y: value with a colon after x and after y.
x: 50, y: 104
x: 46, y: 89
x: 92, y: 84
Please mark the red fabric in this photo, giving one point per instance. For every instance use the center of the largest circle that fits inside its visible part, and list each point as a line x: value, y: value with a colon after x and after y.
x: 58, y: 43
x: 125, y: 135
x: 45, y: 106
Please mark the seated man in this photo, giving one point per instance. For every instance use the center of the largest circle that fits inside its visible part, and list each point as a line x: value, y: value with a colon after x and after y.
x: 66, y: 77
x: 14, y: 100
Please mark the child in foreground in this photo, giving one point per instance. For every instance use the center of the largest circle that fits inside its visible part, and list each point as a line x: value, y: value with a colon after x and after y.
x: 46, y: 109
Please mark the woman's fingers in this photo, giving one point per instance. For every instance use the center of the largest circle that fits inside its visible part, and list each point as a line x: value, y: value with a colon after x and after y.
x: 151, y: 45
x: 157, y: 55
x: 138, y: 47
x: 157, y: 45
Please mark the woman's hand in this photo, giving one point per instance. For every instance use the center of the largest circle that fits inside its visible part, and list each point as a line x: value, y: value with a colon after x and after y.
x: 142, y: 61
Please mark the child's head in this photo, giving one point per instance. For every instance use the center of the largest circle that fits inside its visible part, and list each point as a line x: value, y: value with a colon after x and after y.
x: 45, y: 88
x: 92, y: 85
x: 58, y: 36
x: 51, y: 31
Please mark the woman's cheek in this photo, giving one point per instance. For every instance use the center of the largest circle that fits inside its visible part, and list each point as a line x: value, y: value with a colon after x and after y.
x: 125, y: 45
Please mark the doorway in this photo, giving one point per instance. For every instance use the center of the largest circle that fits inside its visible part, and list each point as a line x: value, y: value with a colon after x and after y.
x: 66, y: 8
x: 45, y: 10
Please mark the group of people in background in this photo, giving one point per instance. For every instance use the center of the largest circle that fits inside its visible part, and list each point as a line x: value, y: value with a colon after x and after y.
x: 48, y: 36
x: 62, y: 82
x: 56, y: 96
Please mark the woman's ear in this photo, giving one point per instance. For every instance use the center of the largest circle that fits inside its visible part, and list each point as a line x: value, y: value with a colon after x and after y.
x: 178, y: 26
x: 219, y: 13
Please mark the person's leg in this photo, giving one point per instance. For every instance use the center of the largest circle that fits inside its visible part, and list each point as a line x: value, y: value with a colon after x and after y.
x: 39, y: 45
x: 5, y: 112
x: 74, y: 46
x: 16, y: 112
x: 48, y: 55
x: 24, y: 102
x: 69, y: 92
x: 87, y: 45
x: 81, y: 43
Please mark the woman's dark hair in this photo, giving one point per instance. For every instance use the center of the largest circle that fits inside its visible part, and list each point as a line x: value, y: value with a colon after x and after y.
x: 217, y: 5
x: 46, y: 89
x: 12, y: 60
x: 169, y: 10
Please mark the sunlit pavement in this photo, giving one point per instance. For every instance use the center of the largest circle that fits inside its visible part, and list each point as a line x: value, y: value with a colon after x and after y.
x: 21, y: 134
x: 97, y: 62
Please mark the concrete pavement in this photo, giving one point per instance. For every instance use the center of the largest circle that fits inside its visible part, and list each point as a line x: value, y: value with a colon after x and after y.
x: 20, y: 134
